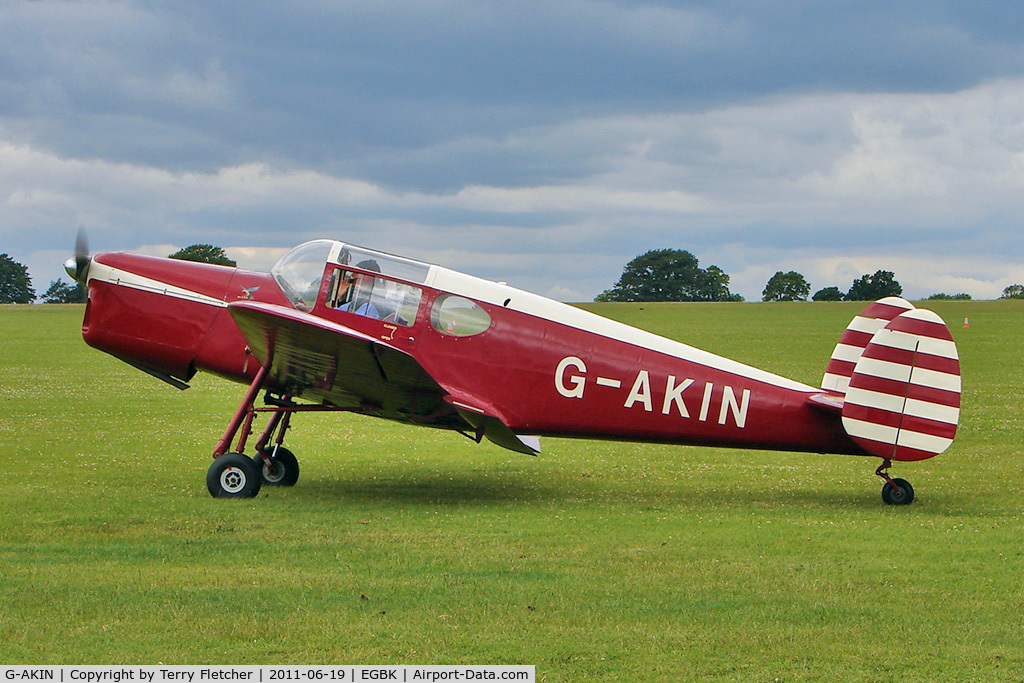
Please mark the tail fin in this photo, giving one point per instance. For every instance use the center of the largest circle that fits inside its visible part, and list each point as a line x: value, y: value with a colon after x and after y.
x: 902, y: 396
x: 851, y: 345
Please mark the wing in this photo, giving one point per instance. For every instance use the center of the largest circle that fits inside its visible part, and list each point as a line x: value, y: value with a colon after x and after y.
x: 328, y: 363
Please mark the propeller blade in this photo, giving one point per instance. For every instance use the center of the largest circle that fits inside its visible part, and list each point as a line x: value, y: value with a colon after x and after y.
x: 78, y: 266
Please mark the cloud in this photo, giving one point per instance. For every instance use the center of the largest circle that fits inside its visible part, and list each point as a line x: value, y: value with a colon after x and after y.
x: 542, y: 143
x: 879, y: 175
x: 359, y: 85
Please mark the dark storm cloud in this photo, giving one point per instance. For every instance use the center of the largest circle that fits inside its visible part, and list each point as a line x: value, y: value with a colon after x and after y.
x: 353, y: 85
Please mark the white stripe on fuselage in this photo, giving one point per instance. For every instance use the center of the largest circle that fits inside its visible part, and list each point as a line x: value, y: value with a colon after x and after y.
x: 498, y: 294
x: 125, y: 278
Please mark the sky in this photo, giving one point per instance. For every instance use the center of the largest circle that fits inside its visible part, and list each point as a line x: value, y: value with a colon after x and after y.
x: 543, y: 143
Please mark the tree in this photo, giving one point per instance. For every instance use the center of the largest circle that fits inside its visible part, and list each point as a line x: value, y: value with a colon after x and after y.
x: 962, y: 296
x: 872, y: 287
x: 791, y: 286
x: 62, y: 293
x: 1013, y: 292
x: 15, y: 283
x: 669, y: 275
x: 204, y: 253
x: 713, y: 285
x: 829, y: 294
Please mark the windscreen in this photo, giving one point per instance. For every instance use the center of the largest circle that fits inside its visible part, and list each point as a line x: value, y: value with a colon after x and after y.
x: 299, y: 272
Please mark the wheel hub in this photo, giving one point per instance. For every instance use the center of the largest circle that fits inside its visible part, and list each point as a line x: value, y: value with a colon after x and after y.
x: 232, y: 480
x: 272, y: 472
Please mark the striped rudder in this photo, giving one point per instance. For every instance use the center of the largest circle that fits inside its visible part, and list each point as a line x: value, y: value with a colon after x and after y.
x: 856, y: 337
x: 903, y: 398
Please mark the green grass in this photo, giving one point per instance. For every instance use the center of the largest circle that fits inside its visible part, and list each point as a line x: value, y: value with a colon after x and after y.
x: 594, y: 561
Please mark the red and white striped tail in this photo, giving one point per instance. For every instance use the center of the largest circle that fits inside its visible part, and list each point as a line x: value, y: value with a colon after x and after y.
x: 856, y: 337
x: 903, y: 396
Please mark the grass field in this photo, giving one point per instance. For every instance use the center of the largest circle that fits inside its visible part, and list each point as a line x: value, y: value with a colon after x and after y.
x: 594, y: 561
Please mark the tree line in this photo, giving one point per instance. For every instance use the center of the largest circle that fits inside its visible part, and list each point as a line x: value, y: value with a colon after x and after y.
x: 656, y: 275
x: 675, y: 275
x: 792, y: 286
x: 16, y: 284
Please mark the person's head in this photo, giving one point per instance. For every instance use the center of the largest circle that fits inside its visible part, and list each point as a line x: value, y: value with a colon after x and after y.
x: 347, y: 278
x: 368, y: 264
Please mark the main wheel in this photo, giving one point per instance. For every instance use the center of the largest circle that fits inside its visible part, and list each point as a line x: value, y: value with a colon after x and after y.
x: 283, y: 468
x: 902, y: 496
x: 233, y: 475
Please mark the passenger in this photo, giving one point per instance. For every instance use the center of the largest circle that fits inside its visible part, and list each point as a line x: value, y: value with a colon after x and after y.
x: 360, y: 301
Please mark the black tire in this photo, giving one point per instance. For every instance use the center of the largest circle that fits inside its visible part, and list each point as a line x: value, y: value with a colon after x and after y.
x: 903, y: 496
x: 233, y: 475
x: 283, y: 469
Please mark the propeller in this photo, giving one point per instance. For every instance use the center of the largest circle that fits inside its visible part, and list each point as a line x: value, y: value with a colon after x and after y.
x: 78, y: 265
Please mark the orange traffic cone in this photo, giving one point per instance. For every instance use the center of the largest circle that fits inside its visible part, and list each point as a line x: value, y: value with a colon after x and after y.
x: 967, y: 323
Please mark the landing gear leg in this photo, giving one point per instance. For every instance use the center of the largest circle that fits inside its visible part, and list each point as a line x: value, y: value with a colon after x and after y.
x: 233, y: 475
x: 895, y: 491
x: 272, y: 464
x: 244, y: 413
x: 278, y: 465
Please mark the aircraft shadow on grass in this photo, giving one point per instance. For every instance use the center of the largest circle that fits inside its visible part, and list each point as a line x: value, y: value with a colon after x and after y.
x: 510, y: 489
x: 426, y: 490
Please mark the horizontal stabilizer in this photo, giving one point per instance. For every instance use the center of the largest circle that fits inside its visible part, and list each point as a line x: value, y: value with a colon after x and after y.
x: 903, y: 396
x: 829, y: 402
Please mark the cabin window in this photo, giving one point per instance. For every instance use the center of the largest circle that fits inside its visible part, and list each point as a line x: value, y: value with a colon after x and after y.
x: 374, y: 297
x: 458, y: 317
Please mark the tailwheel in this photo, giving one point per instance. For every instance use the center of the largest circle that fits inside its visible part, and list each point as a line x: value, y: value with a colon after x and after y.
x: 898, y: 492
x: 233, y: 475
x: 279, y: 466
x: 895, y: 491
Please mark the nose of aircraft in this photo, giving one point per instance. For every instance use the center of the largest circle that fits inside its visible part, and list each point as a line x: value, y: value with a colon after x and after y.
x: 78, y: 265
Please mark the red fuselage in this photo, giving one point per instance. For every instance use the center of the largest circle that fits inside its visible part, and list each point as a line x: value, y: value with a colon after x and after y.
x: 546, y: 368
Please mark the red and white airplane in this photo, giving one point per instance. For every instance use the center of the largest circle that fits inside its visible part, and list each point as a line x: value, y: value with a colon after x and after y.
x: 341, y: 327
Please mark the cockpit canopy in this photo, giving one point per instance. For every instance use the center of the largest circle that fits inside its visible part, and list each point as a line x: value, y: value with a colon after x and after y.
x: 389, y: 288
x: 300, y: 271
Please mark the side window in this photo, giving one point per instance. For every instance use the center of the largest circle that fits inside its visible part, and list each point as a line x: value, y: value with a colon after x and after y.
x: 374, y: 297
x: 458, y: 317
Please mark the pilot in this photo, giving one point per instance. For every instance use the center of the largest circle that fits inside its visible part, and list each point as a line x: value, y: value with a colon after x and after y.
x: 360, y: 301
